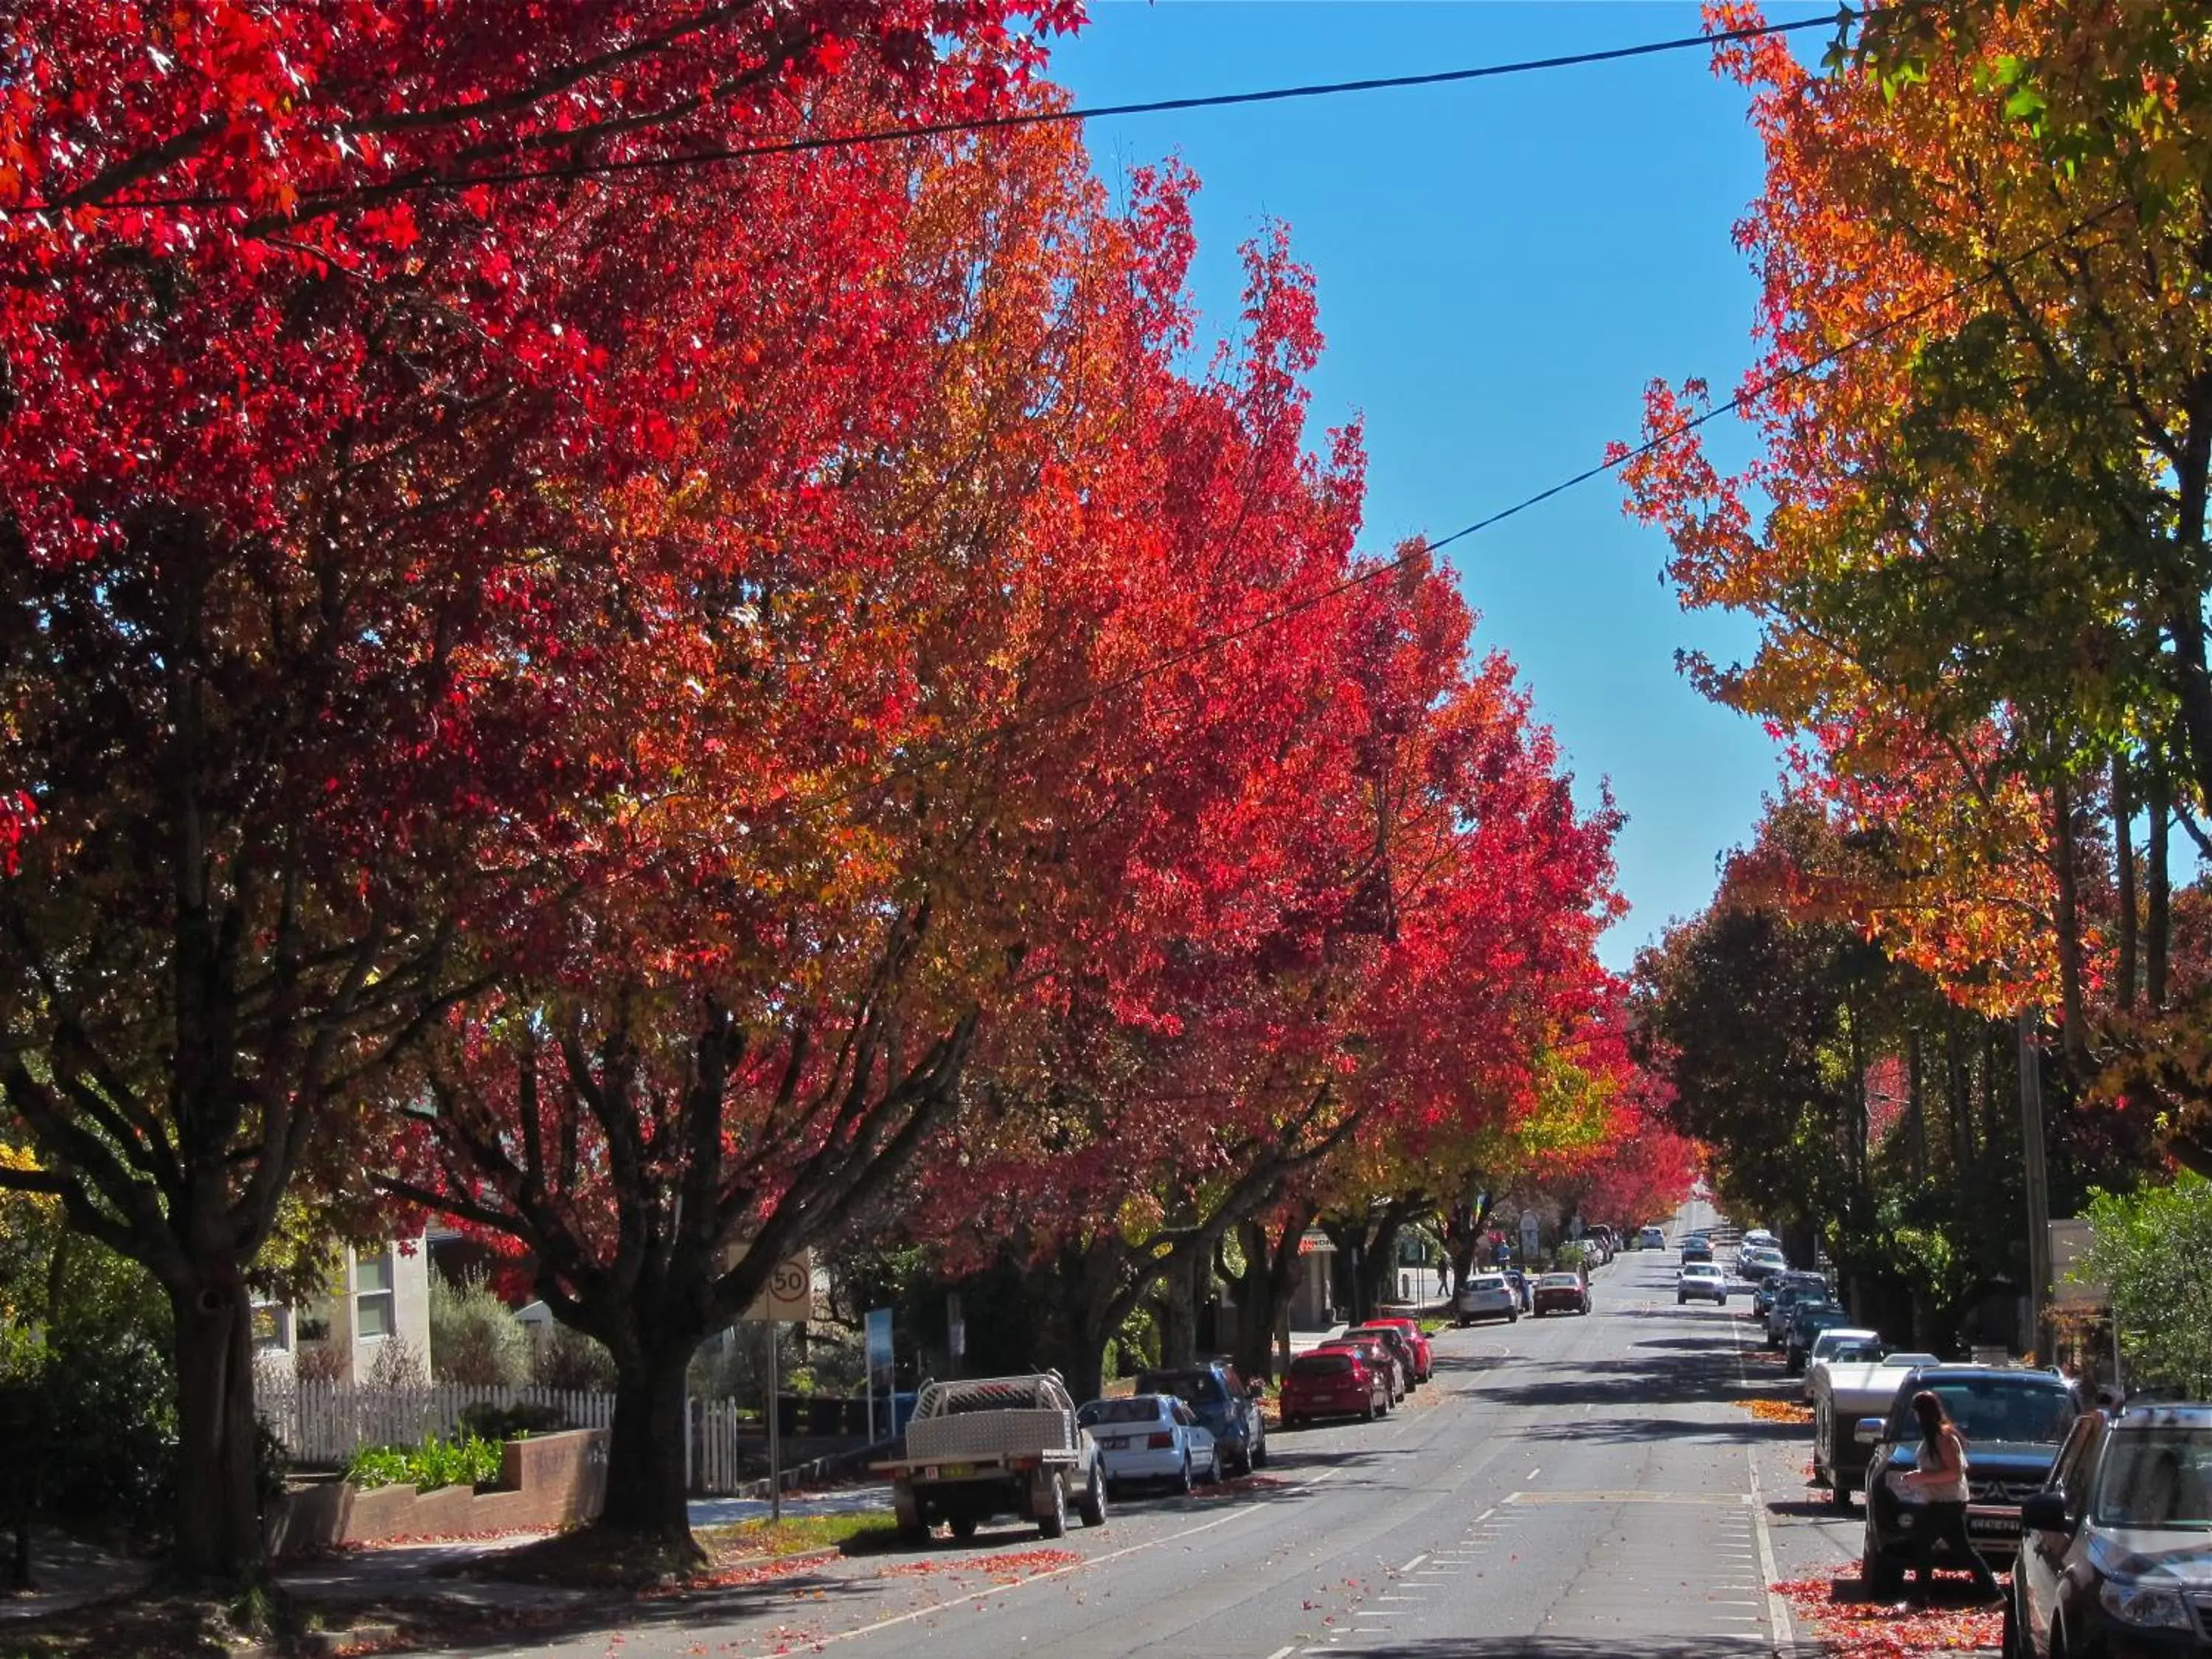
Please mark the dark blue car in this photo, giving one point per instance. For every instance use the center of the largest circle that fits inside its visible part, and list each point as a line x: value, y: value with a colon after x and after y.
x: 1225, y: 1402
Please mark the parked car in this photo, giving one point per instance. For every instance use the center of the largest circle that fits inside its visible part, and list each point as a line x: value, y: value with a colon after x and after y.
x: 1788, y: 1291
x: 1651, y: 1238
x: 1225, y: 1402
x: 995, y: 1446
x: 1561, y: 1293
x: 2012, y: 1421
x: 1611, y: 1239
x: 1487, y: 1296
x: 2114, y: 1551
x: 1853, y: 1344
x: 1423, y: 1354
x: 1762, y: 1298
x: 1841, y: 1395
x: 1387, y: 1332
x: 1519, y: 1280
x: 1759, y: 1238
x: 1379, y: 1356
x: 1152, y: 1437
x: 1338, y: 1383
x: 1697, y: 1248
x: 1703, y: 1281
x: 1757, y: 1261
x: 1808, y: 1319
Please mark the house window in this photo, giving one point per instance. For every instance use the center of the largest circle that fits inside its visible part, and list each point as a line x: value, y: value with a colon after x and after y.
x: 269, y: 1321
x: 314, y: 1320
x: 371, y: 1287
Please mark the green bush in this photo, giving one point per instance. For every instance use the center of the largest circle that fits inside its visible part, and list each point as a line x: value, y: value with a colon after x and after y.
x: 469, y: 1461
x: 474, y: 1337
x: 496, y: 1423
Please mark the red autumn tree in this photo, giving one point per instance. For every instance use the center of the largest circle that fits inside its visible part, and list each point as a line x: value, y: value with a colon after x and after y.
x: 312, y: 460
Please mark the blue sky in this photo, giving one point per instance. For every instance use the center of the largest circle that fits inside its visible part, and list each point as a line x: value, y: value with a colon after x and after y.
x: 1502, y: 266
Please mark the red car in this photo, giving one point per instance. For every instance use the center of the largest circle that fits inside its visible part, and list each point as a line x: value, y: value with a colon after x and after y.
x: 1424, y: 1357
x: 1562, y: 1293
x: 1333, y: 1382
x: 1380, y: 1356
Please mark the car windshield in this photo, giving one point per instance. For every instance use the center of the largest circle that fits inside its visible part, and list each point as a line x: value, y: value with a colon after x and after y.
x: 1701, y: 1270
x: 1853, y: 1354
x: 1137, y: 1408
x: 2161, y: 1477
x: 1487, y: 1282
x: 1562, y: 1281
x: 1320, y: 1364
x: 1992, y: 1408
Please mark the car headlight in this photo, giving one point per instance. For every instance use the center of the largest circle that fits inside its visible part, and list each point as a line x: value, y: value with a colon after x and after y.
x: 2148, y: 1605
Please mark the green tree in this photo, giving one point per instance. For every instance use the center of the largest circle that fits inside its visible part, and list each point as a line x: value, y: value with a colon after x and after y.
x: 2154, y: 1248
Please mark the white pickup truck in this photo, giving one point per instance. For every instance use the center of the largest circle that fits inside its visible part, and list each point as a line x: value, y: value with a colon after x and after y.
x: 1841, y: 1396
x: 997, y: 1445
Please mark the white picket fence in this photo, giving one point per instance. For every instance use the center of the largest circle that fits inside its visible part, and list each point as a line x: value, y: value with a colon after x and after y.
x: 326, y: 1422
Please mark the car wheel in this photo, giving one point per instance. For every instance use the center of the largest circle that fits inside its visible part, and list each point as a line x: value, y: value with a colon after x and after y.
x: 963, y: 1527
x: 1368, y: 1416
x: 1184, y: 1481
x: 1257, y: 1457
x: 1289, y: 1422
x: 1053, y: 1523
x: 1680, y: 1300
x: 2010, y: 1643
x: 1214, y: 1469
x: 1092, y: 1507
x: 1840, y: 1490
x: 1882, y: 1577
x: 1513, y: 1317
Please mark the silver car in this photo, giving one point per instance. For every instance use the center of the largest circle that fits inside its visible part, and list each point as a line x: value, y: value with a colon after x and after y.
x: 1487, y: 1295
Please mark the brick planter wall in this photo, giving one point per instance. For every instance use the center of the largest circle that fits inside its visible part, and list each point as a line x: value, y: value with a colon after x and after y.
x: 545, y: 1482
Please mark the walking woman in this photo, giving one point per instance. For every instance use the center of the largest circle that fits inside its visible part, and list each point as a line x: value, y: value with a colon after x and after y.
x: 1939, y: 1482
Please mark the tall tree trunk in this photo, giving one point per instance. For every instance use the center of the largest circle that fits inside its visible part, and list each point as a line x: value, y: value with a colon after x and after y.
x: 1959, y: 1096
x: 1179, y: 1308
x: 2065, y: 863
x: 2124, y: 876
x: 1916, y: 1104
x: 218, y: 1511
x: 2158, y: 883
x: 646, y: 1495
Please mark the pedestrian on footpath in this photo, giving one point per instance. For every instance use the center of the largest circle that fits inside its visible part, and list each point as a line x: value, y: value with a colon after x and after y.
x: 1938, y: 1481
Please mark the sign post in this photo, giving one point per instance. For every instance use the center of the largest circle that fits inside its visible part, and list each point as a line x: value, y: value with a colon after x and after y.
x: 788, y: 1294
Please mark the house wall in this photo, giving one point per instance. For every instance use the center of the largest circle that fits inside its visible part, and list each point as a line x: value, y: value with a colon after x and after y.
x: 387, y: 1288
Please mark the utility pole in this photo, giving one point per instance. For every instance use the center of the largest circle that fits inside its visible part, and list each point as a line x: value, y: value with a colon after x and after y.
x: 2039, y: 1190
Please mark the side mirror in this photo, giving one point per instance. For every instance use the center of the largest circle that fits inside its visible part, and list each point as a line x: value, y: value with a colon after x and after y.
x: 1869, y: 1431
x: 2045, y: 1512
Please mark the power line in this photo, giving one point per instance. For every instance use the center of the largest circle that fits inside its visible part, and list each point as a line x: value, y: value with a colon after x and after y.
x: 338, y: 195
x: 1212, y: 643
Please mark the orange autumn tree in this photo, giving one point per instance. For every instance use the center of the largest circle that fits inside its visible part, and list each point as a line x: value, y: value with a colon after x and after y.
x: 1973, y: 534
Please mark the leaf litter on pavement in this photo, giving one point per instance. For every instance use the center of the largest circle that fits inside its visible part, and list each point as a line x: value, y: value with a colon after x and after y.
x: 1850, y: 1626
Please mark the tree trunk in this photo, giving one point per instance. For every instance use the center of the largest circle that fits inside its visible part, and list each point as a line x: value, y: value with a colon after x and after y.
x: 1255, y: 1306
x: 1916, y: 1099
x: 646, y: 1495
x: 2065, y: 868
x: 2124, y: 874
x: 2158, y: 887
x: 218, y: 1508
x: 1179, y: 1308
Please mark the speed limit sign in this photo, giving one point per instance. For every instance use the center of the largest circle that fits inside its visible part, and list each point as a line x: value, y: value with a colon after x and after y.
x: 789, y: 1292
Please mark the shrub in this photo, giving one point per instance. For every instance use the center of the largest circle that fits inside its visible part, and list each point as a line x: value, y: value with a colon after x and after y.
x: 497, y: 1423
x: 563, y: 1359
x: 474, y: 1338
x: 469, y: 1460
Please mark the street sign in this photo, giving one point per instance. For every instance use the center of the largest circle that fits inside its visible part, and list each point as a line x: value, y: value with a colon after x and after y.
x: 880, y: 1358
x: 789, y: 1294
x: 2069, y: 1254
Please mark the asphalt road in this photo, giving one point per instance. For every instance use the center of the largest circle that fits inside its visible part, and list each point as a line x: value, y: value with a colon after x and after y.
x: 1567, y: 1488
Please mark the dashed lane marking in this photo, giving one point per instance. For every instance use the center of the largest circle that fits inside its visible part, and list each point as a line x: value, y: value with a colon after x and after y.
x: 1415, y: 1562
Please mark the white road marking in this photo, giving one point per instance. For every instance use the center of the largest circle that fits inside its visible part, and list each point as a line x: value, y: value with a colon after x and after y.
x: 1285, y: 1651
x: 1532, y: 1475
x: 1779, y: 1626
x: 1415, y: 1562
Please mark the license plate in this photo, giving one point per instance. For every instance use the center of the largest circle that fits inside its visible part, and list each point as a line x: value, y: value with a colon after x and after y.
x: 951, y: 1471
x: 1117, y: 1443
x: 1994, y: 1526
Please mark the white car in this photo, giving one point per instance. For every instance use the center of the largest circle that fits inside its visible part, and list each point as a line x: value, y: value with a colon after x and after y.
x: 1487, y: 1295
x: 1759, y: 1237
x: 1758, y: 1261
x: 1847, y: 1344
x: 1152, y: 1437
x: 1651, y: 1238
x: 1704, y: 1280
